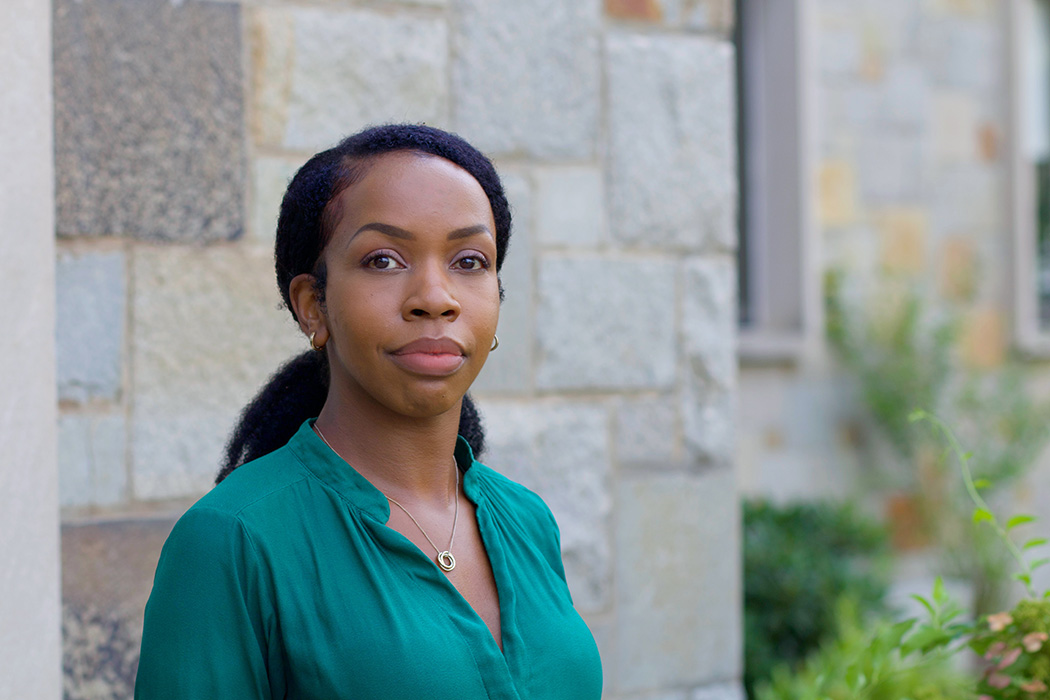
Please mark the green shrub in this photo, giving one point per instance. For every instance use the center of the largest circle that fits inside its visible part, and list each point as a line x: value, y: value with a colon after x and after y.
x: 799, y: 560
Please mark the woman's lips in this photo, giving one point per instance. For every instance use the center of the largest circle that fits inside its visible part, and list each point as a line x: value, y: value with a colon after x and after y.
x: 437, y: 357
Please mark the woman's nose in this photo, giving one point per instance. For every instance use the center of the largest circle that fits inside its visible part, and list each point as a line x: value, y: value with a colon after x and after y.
x: 430, y: 295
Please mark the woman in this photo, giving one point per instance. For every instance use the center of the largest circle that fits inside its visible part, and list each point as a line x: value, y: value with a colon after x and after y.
x: 417, y: 571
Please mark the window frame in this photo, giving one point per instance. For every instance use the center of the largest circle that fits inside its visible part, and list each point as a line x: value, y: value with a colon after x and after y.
x: 780, y: 276
x: 1029, y: 337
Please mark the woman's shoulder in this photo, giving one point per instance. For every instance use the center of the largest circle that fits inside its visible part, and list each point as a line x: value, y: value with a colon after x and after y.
x: 254, y: 482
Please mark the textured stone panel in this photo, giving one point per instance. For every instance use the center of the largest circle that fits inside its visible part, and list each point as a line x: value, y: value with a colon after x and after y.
x: 672, y: 154
x: 677, y: 581
x: 709, y: 320
x: 107, y: 574
x: 604, y: 324
x: 148, y: 119
x: 570, y: 206
x: 207, y: 333
x: 91, y: 465
x: 526, y: 76
x: 561, y: 452
x: 90, y: 313
x: 647, y: 431
x: 353, y: 68
x: 509, y: 368
x: 270, y: 178
x: 708, y: 423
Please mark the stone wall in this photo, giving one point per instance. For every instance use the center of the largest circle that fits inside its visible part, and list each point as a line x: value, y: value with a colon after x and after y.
x: 912, y: 135
x: 178, y: 126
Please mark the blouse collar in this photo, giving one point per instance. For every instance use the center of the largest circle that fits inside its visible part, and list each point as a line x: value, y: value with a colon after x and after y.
x: 333, y: 470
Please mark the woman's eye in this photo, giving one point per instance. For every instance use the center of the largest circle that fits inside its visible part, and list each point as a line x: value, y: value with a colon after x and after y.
x: 471, y: 262
x: 381, y: 261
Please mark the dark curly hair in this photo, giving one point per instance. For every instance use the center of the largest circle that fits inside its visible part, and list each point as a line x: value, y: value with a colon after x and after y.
x: 297, y: 391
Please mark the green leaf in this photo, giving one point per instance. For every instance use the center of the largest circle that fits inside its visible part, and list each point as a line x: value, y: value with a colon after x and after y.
x: 981, y: 484
x: 896, y: 633
x: 917, y: 415
x: 940, y: 595
x: 966, y: 456
x: 925, y: 603
x: 1034, y: 542
x: 1019, y: 520
x: 1024, y: 578
x: 1038, y: 563
x: 983, y: 515
x: 925, y: 639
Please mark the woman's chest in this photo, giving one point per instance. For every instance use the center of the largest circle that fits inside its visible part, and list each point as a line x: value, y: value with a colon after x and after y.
x: 363, y: 613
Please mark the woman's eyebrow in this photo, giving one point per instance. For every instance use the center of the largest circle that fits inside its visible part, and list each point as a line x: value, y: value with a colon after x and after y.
x: 398, y: 232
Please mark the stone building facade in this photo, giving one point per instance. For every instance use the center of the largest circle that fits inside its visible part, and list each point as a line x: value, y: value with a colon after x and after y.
x: 177, y: 126
x: 916, y: 120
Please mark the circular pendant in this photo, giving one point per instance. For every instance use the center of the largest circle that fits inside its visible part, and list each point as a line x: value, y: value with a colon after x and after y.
x: 446, y: 561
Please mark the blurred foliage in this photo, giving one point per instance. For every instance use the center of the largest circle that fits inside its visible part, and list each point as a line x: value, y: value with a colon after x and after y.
x: 903, y: 358
x: 798, y: 560
x: 920, y: 659
x: 861, y: 662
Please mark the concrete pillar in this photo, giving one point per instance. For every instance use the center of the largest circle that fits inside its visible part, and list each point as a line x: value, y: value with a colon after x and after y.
x: 30, y: 629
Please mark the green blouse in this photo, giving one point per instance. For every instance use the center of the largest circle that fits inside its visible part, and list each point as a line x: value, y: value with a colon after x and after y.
x: 285, y: 582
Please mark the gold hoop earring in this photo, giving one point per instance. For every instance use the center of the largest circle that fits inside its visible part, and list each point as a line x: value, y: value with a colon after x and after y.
x: 312, y: 345
x: 495, y: 342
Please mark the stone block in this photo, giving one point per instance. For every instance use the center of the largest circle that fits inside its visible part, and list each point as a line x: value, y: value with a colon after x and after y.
x: 906, y: 96
x: 904, y: 233
x: 561, y: 451
x: 958, y: 269
x: 270, y: 178
x: 90, y: 315
x: 271, y: 37
x: 570, y: 206
x: 677, y: 581
x: 92, y: 470
x: 964, y: 53
x: 638, y: 10
x: 107, y: 574
x: 968, y: 198
x: 890, y: 167
x: 709, y: 320
x: 837, y: 187
x: 526, y: 76
x: 605, y: 324
x: 671, y: 147
x: 509, y: 368
x: 709, y: 15
x: 205, y: 342
x: 954, y: 127
x: 708, y: 423
x: 984, y: 338
x: 148, y: 119
x: 647, y: 431
x: 336, y: 71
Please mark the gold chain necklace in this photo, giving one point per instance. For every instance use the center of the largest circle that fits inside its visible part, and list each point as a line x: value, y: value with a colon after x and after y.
x: 444, y: 559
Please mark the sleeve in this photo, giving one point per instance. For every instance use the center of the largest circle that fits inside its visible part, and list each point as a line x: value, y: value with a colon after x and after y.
x: 203, y: 634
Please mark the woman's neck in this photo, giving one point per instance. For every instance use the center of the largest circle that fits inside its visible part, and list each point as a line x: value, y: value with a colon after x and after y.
x: 406, y: 458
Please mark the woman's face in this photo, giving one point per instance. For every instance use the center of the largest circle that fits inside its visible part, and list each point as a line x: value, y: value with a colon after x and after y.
x: 412, y: 296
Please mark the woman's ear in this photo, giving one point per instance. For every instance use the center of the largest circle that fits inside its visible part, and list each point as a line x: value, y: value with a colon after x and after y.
x: 302, y: 291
